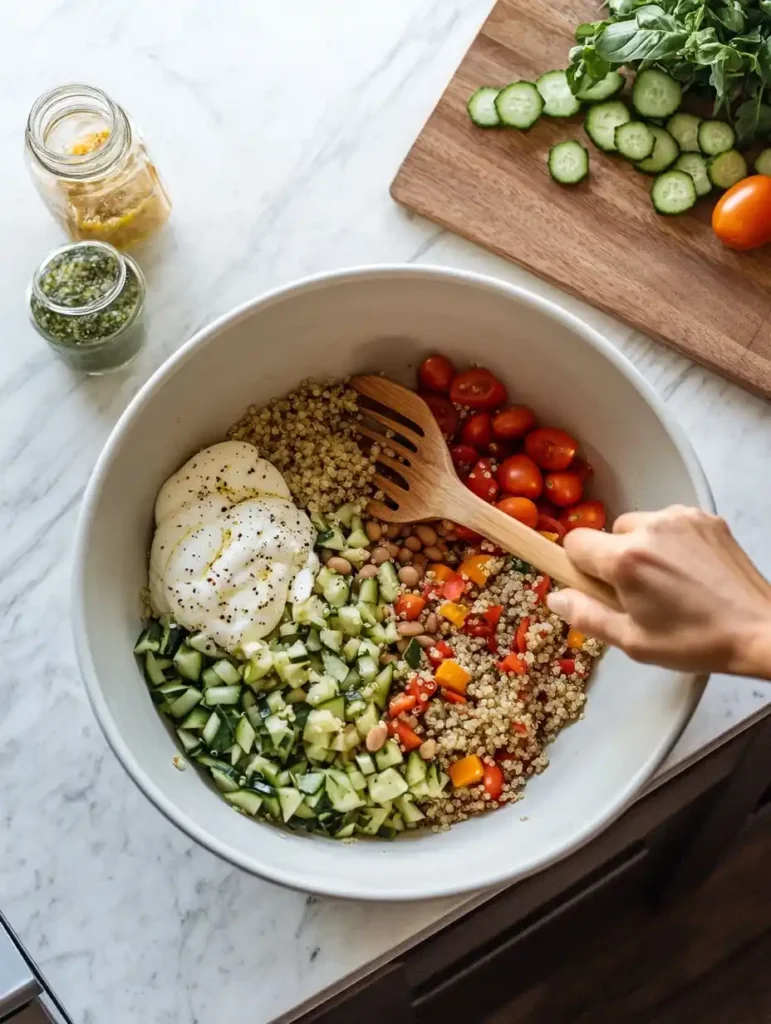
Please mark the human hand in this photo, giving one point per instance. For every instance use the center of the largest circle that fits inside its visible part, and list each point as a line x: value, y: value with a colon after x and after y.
x: 691, y: 599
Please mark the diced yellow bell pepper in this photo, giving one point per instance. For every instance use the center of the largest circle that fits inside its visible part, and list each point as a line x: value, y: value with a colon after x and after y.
x: 452, y: 675
x: 576, y: 639
x: 553, y: 537
x: 441, y: 572
x: 475, y: 567
x: 467, y: 771
x: 454, y: 613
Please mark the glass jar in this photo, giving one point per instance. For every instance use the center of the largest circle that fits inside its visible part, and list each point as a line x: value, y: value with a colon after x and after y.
x: 87, y: 300
x: 91, y: 167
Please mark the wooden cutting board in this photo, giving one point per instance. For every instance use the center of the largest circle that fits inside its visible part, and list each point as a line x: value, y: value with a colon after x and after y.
x: 601, y: 240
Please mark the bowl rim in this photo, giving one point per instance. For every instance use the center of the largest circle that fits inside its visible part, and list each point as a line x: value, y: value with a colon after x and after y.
x: 345, y: 888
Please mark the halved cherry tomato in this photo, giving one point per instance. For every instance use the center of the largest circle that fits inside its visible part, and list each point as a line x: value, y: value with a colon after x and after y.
x: 563, y: 488
x: 492, y: 780
x: 542, y: 587
x: 520, y: 640
x: 499, y: 450
x: 742, y: 216
x: 478, y: 389
x: 439, y: 652
x: 519, y: 476
x: 463, y: 458
x: 444, y: 412
x: 493, y: 614
x: 513, y: 422
x: 406, y: 736
x: 481, y: 480
x: 409, y: 606
x: 477, y: 430
x: 451, y: 697
x: 584, y: 470
x: 401, y: 703
x: 436, y: 374
x: 453, y: 587
x: 476, y: 625
x: 548, y: 525
x: 422, y: 690
x: 551, y: 448
x: 589, y: 515
x: 521, y: 509
x: 513, y: 664
x: 464, y: 533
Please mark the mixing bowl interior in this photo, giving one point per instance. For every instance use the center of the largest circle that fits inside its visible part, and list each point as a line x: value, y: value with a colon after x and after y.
x: 385, y: 320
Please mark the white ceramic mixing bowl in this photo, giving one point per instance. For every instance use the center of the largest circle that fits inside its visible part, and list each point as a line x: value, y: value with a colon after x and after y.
x: 385, y: 318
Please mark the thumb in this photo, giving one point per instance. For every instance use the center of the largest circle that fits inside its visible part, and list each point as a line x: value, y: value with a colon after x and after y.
x: 589, y: 616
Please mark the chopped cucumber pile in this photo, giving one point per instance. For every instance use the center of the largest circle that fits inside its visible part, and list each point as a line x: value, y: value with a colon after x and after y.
x: 282, y: 733
x: 701, y: 149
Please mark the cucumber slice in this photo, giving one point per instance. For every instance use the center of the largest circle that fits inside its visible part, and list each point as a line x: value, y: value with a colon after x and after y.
x: 388, y: 755
x: 153, y: 670
x: 380, y: 686
x: 349, y: 619
x: 568, y: 162
x: 371, y: 820
x: 727, y: 168
x: 149, y: 639
x: 763, y: 162
x: 673, y: 192
x: 386, y: 786
x: 481, y: 107
x: 368, y: 591
x: 634, y: 140
x: 608, y: 86
x: 322, y: 691
x: 695, y: 165
x: 684, y: 129
x: 558, y: 100
x: 185, y: 703
x: 244, y: 800
x: 332, y: 639
x: 367, y: 720
x: 665, y: 152
x: 214, y: 695
x: 203, y: 643
x: 656, y: 94
x: 388, y: 580
x: 519, y: 105
x: 289, y: 800
x: 602, y: 121
x: 716, y: 137
x: 227, y: 672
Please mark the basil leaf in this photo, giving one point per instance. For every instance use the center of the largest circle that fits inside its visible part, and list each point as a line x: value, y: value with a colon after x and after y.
x: 625, y: 41
x: 765, y: 6
x: 764, y: 62
x: 730, y: 18
x: 652, y: 16
x: 588, y: 29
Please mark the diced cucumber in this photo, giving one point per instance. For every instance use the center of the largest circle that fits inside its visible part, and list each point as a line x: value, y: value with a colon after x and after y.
x: 335, y: 706
x: 437, y: 781
x: 336, y: 592
x: 332, y: 538
x: 346, y: 740
x: 366, y: 721
x: 355, y: 705
x: 377, y: 635
x: 727, y: 168
x: 634, y: 140
x: 319, y: 752
x: 245, y: 734
x: 345, y: 514
x: 568, y: 162
x: 519, y: 105
x: 244, y: 800
x: 172, y: 636
x: 356, y: 779
x: 558, y: 100
x: 325, y: 689
x: 601, y: 123
x: 210, y: 678
x: 416, y: 770
x: 306, y: 613
x: 413, y: 653
x: 272, y: 806
x: 310, y: 783
x: 259, y: 666
x: 409, y: 812
x: 227, y: 672
x: 341, y: 793
x: 352, y: 681
x: 224, y: 781
x: 274, y: 702
x: 196, y: 720
x: 289, y: 632
x: 366, y: 764
x: 715, y: 137
x: 368, y: 591
x: 313, y: 640
x: 190, y: 742
x: 357, y: 540
x: 185, y: 703
x: 203, y: 643
x: 386, y: 575
x: 391, y: 632
x: 665, y: 152
x: 347, y: 831
x: 351, y: 649
x: 350, y: 620
x: 695, y: 165
x: 388, y: 755
x: 153, y: 671
x: 320, y: 725
x: 386, y: 786
x: 297, y: 652
x: 481, y: 107
x: 380, y: 686
x: 332, y: 639
x: 172, y: 689
x: 368, y: 613
x: 289, y: 800
x: 371, y: 819
x: 149, y: 639
x: 763, y: 162
x: 684, y: 129
x: 608, y: 86
x: 367, y: 668
x: 656, y: 94
x: 214, y: 695
x: 334, y: 666
x: 211, y: 729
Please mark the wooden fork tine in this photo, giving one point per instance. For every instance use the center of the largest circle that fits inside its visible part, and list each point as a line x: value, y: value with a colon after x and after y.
x: 380, y: 510
x: 388, y: 392
x: 394, y: 464
x: 398, y: 428
x: 388, y: 442
x: 388, y: 486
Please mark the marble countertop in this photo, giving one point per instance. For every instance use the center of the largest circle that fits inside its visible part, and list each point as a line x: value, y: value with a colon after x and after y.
x: 278, y: 128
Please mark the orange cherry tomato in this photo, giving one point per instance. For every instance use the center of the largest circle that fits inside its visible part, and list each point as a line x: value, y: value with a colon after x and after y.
x: 742, y: 216
x: 463, y: 458
x: 409, y: 606
x: 519, y: 475
x: 436, y: 374
x: 563, y: 489
x: 588, y: 515
x: 551, y: 448
x: 478, y: 389
x: 481, y: 480
x: 521, y: 509
x: 547, y: 524
x: 514, y: 422
x: 444, y: 413
x: 492, y: 780
x: 477, y: 430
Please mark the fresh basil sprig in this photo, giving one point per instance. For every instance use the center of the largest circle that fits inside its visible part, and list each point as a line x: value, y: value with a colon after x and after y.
x: 719, y: 48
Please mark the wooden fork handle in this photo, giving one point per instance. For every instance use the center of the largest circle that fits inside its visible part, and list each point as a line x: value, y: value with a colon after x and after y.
x: 527, y: 544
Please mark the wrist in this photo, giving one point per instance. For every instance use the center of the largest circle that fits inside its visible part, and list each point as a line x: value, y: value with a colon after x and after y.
x: 752, y: 651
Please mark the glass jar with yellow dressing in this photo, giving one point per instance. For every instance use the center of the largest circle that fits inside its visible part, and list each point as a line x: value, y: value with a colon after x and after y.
x: 92, y: 169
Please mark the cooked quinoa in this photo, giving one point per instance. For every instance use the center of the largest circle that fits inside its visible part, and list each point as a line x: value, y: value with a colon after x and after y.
x: 310, y: 437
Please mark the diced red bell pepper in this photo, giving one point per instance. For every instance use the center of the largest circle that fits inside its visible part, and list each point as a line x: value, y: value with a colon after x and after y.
x: 453, y: 587
x: 406, y: 736
x: 519, y: 727
x: 513, y: 663
x: 493, y: 614
x: 542, y: 587
x: 439, y: 652
x: 520, y: 640
x: 451, y: 697
x: 422, y: 690
x: 567, y: 666
x: 493, y: 781
x: 402, y: 703
x: 475, y: 625
x: 492, y: 644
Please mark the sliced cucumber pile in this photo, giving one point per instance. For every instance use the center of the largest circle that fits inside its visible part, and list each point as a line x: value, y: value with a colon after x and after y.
x: 558, y: 100
x: 695, y: 165
x: 716, y: 137
x: 568, y: 162
x: 684, y: 129
x: 608, y: 86
x: 656, y: 94
x: 665, y: 152
x: 634, y: 140
x: 602, y: 121
x: 282, y: 734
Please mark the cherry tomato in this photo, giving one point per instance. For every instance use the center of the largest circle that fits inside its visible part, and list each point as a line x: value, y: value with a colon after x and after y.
x: 481, y: 480
x: 453, y: 587
x: 499, y: 450
x: 436, y: 374
x: 547, y: 509
x: 588, y: 514
x: 551, y: 448
x: 584, y: 470
x: 521, y: 509
x: 547, y: 524
x: 465, y: 533
x: 563, y: 489
x: 514, y: 422
x: 463, y: 458
x: 409, y: 606
x: 478, y: 389
x: 518, y: 475
x: 477, y: 430
x: 742, y: 216
x: 492, y: 780
x: 444, y: 413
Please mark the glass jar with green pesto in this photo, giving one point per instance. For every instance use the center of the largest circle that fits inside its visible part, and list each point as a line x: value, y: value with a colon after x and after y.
x: 87, y: 300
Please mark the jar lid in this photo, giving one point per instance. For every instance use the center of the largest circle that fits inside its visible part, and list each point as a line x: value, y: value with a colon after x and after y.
x: 80, y: 278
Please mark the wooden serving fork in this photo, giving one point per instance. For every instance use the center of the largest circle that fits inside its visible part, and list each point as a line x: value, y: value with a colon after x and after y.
x: 425, y: 486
